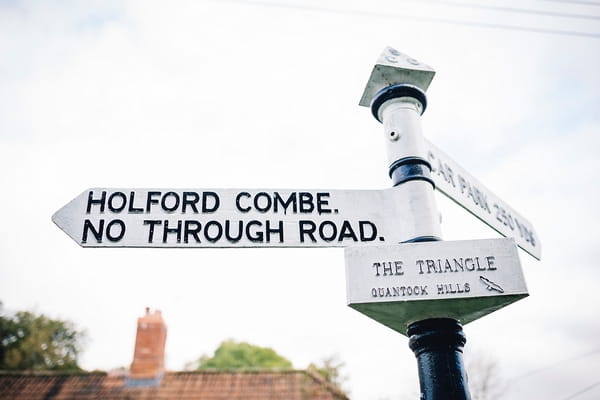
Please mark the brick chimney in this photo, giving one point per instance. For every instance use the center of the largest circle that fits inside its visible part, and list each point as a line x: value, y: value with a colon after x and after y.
x: 149, y: 355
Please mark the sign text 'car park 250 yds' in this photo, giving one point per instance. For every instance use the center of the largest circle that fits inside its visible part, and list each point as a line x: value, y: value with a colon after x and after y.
x: 102, y: 217
x: 459, y: 185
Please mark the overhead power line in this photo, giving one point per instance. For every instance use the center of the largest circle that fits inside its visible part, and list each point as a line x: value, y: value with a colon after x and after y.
x: 513, y: 10
x: 419, y: 18
x: 587, y: 3
x: 582, y: 391
x: 554, y: 365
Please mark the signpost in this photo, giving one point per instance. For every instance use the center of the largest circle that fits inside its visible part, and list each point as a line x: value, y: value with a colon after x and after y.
x: 423, y: 290
x: 464, y: 280
x: 103, y: 217
x: 398, y: 271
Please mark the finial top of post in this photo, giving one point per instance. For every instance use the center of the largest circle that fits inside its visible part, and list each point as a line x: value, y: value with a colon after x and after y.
x: 394, y: 67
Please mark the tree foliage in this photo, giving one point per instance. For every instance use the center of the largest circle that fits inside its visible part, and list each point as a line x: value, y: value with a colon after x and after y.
x: 29, y: 341
x: 330, y: 368
x: 241, y: 355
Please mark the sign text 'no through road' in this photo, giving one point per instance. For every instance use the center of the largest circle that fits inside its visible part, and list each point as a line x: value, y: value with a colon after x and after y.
x: 103, y: 217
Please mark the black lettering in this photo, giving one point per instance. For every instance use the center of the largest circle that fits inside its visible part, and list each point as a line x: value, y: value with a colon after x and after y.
x: 238, y: 201
x: 424, y: 290
x: 483, y: 202
x: 306, y: 202
x: 131, y: 208
x: 462, y: 183
x: 471, y: 195
x: 88, y: 226
x: 322, y: 232
x: 447, y: 266
x: 278, y: 230
x: 264, y: 208
x: 322, y: 202
x: 101, y: 201
x: 431, y: 157
x: 163, y: 202
x: 420, y: 264
x: 208, y: 228
x: 458, y: 264
x: 150, y: 200
x: 167, y: 230
x: 398, y: 265
x: 450, y: 175
x: 362, y: 225
x: 191, y: 227
x: 347, y: 232
x: 216, y: 202
x: 479, y: 267
x: 440, y: 289
x: 430, y: 266
x: 491, y: 263
x: 109, y: 234
x: 387, y: 267
x: 291, y: 200
x: 190, y: 199
x: 152, y: 223
x: 254, y: 236
x: 240, y: 231
x: 376, y: 266
x: 307, y: 228
x: 469, y: 264
x: 121, y: 206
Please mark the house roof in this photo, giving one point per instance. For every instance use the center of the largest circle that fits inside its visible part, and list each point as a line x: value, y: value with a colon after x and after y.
x: 200, y: 385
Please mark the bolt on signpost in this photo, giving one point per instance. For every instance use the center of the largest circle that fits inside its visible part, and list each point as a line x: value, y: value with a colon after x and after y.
x: 398, y: 270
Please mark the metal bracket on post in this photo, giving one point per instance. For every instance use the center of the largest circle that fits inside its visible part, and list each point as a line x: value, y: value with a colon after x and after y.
x: 396, y: 94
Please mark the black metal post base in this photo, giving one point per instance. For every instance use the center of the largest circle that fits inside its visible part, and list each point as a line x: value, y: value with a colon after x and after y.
x: 438, y: 344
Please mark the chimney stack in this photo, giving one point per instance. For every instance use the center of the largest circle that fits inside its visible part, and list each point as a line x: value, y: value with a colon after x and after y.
x: 149, y: 355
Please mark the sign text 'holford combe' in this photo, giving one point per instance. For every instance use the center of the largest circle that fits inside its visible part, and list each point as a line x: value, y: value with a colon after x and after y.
x: 103, y: 217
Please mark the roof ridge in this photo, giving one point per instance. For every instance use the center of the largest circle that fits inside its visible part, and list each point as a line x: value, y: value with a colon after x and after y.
x: 244, y: 370
x: 51, y: 373
x: 332, y: 387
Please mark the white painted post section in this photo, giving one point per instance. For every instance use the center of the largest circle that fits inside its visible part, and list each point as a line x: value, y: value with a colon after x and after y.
x: 401, y: 118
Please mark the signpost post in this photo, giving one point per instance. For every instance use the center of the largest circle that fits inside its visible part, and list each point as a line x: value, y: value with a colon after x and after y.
x: 398, y: 270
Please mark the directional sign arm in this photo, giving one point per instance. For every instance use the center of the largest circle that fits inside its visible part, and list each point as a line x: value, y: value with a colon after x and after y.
x: 460, y: 186
x: 105, y: 217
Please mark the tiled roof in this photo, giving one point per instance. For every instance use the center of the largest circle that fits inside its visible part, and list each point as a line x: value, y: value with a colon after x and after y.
x: 247, y: 385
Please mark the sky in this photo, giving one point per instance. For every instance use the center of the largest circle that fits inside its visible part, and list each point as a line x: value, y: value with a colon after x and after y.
x: 264, y: 94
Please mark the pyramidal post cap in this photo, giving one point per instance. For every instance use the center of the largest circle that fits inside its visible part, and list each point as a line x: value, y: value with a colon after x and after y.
x: 392, y: 68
